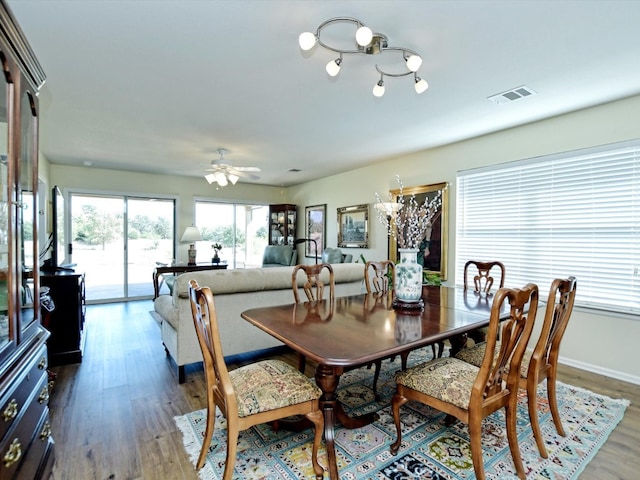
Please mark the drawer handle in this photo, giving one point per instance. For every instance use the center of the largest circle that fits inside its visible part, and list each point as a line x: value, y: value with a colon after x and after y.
x: 11, y: 410
x: 44, y: 395
x: 13, y: 454
x: 42, y: 364
x: 46, y: 431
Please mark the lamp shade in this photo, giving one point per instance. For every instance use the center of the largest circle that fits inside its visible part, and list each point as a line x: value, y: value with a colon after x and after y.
x: 191, y: 234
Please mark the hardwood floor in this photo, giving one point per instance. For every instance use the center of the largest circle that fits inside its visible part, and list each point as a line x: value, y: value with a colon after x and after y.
x: 112, y: 415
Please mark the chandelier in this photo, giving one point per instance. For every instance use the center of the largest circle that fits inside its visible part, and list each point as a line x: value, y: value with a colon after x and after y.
x: 366, y: 43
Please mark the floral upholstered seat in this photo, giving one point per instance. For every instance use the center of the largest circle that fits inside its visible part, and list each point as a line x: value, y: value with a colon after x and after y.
x: 268, y: 385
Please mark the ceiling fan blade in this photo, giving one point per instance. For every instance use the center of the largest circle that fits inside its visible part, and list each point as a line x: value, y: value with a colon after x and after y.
x: 247, y: 169
x: 242, y: 174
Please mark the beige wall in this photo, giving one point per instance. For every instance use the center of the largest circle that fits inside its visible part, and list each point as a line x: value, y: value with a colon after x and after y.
x: 596, y: 341
x: 599, y: 342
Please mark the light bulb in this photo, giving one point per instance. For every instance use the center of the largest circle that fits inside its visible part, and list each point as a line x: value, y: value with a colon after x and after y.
x: 307, y: 40
x: 421, y: 85
x: 364, y: 36
x: 333, y: 67
x: 414, y: 62
x: 221, y: 179
x: 378, y: 90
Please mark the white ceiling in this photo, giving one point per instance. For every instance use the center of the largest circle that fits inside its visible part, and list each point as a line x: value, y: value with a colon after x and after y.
x: 158, y: 86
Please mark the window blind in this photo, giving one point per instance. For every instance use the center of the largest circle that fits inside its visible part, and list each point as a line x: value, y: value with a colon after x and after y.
x: 576, y: 213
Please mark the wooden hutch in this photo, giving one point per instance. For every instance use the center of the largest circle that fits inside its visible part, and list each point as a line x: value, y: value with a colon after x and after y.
x: 26, y: 443
x: 282, y: 224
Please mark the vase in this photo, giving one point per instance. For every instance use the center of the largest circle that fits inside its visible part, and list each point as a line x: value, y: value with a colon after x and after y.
x: 408, y: 284
x: 216, y: 258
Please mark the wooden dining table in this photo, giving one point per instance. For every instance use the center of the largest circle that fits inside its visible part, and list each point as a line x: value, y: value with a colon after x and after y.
x: 346, y: 332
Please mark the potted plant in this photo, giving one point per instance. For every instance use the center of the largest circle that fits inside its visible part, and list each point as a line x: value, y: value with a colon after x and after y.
x: 216, y: 248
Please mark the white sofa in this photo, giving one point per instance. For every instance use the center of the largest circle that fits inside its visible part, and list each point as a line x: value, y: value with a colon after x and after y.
x: 235, y: 291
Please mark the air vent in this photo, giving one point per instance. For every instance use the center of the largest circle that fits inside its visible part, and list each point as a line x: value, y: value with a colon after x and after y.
x: 294, y: 170
x: 512, y: 95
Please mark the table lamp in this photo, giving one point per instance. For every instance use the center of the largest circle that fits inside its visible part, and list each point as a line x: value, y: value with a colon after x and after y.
x: 298, y: 241
x: 191, y: 235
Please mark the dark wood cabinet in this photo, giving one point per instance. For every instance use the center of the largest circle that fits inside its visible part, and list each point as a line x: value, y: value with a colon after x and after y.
x: 66, y: 321
x: 282, y: 224
x: 26, y: 442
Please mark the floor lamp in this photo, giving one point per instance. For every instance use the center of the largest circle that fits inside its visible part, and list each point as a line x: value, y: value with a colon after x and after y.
x: 298, y: 241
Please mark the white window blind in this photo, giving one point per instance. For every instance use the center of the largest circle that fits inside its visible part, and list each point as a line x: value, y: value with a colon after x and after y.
x: 576, y: 213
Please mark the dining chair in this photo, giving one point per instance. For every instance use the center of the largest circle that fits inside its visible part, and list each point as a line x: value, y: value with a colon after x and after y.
x: 470, y: 393
x: 541, y: 362
x: 257, y: 393
x: 313, y: 289
x: 482, y: 282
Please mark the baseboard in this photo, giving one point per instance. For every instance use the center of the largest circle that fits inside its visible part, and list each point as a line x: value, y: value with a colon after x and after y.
x: 625, y: 377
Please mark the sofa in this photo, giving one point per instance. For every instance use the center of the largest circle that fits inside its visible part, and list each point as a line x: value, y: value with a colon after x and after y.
x: 279, y: 256
x: 235, y: 291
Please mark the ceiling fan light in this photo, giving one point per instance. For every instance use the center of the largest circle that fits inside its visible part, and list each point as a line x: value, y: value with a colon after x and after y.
x: 364, y: 35
x: 221, y: 179
x: 378, y: 89
x: 210, y: 177
x: 307, y: 40
x: 333, y: 67
x: 421, y: 85
x: 233, y: 178
x: 414, y: 62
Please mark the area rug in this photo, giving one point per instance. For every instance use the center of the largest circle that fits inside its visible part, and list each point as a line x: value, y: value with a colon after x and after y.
x: 430, y: 450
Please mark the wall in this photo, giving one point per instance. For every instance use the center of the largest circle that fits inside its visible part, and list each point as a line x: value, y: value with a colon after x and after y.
x: 596, y: 341
x: 184, y: 189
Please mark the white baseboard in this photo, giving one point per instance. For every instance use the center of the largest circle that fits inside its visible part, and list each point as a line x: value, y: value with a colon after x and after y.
x: 625, y: 377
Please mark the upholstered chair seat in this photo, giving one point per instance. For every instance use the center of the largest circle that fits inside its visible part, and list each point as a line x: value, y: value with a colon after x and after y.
x: 447, y: 379
x: 268, y: 385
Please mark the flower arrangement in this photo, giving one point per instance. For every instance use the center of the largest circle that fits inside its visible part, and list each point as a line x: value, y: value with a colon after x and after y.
x: 406, y: 220
x: 216, y: 247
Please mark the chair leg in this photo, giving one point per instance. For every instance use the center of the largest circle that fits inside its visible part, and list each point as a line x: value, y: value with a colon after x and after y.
x: 553, y: 402
x: 532, y: 396
x: 475, y: 440
x: 318, y: 422
x: 302, y: 363
x: 404, y: 356
x: 510, y: 413
x: 376, y: 375
x: 208, y: 435
x: 232, y: 450
x: 397, y: 401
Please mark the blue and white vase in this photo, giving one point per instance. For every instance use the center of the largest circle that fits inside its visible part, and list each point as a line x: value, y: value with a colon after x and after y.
x: 408, y: 287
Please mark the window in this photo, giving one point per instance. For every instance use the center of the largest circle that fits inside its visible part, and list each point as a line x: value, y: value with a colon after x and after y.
x: 575, y: 213
x: 240, y: 229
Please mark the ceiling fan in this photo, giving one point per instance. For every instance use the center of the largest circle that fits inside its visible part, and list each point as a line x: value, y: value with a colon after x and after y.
x: 223, y: 173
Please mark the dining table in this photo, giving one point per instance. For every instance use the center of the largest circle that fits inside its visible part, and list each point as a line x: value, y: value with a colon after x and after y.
x: 342, y: 333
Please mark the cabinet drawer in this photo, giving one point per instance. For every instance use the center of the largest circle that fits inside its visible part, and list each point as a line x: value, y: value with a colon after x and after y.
x: 39, y: 459
x: 14, y: 401
x: 18, y: 439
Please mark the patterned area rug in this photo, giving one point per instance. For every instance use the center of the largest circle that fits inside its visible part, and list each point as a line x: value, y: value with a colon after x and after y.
x: 430, y: 450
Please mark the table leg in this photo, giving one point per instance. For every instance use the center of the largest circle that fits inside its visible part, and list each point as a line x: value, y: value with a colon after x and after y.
x: 327, y: 378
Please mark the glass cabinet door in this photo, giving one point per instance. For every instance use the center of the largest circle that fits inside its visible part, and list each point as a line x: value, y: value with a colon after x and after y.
x: 5, y: 329
x: 26, y: 214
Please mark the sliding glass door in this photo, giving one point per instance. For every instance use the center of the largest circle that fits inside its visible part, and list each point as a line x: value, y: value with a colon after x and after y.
x: 118, y: 240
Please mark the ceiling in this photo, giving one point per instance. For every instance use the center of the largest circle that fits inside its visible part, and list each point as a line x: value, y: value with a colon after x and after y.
x: 158, y: 86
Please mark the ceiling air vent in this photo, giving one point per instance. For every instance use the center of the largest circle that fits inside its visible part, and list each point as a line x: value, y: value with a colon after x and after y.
x: 511, y: 95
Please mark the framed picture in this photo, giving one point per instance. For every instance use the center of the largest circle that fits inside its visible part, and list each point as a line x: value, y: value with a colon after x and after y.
x: 353, y: 226
x: 314, y: 228
x: 433, y: 251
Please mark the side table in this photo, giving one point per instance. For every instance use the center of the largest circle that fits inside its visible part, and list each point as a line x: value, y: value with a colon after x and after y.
x: 177, y: 269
